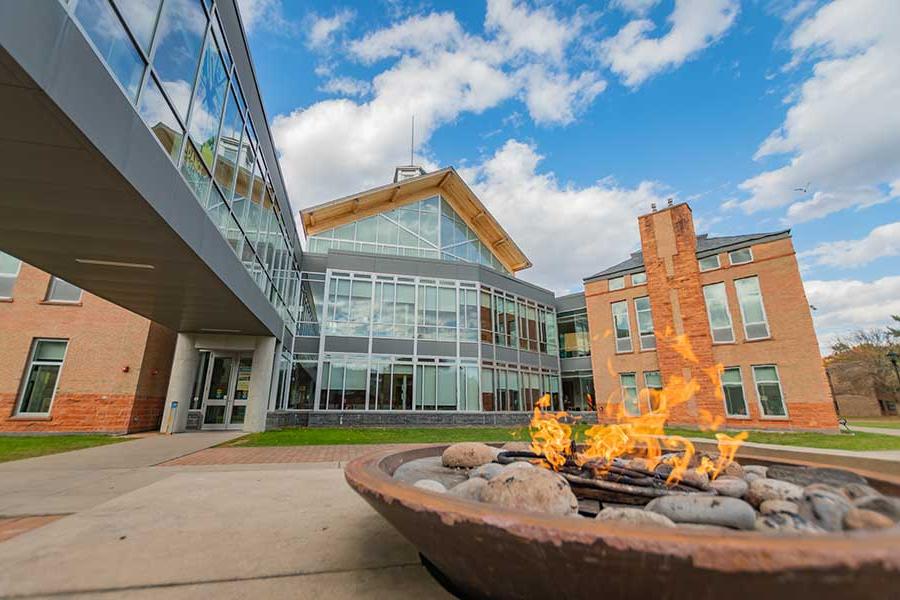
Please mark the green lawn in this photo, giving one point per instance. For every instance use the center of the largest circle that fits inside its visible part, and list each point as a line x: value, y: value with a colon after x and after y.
x: 324, y: 436
x: 885, y: 423
x: 16, y: 447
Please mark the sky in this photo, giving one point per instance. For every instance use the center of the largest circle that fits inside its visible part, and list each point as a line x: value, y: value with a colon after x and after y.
x: 570, y: 118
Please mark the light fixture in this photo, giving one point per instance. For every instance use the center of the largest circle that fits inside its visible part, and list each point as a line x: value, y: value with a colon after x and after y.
x: 213, y: 330
x: 112, y: 263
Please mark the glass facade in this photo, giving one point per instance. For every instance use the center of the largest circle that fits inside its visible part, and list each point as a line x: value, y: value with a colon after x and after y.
x: 574, y: 339
x: 428, y: 228
x: 173, y: 63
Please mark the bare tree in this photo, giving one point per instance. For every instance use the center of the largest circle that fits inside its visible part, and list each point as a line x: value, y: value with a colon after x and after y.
x: 864, y: 351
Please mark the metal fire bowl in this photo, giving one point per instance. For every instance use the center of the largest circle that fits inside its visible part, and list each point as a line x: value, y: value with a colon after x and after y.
x: 489, y: 552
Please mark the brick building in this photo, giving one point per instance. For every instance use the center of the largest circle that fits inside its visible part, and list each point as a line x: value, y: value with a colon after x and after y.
x: 739, y: 301
x: 860, y: 392
x: 73, y: 362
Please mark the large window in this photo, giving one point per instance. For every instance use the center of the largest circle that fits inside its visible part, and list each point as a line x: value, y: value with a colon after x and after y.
x: 108, y: 34
x: 209, y: 97
x: 160, y: 118
x: 349, y: 305
x: 578, y: 393
x: 177, y: 51
x: 639, y: 278
x: 645, y: 323
x: 753, y: 312
x: 390, y: 384
x: 574, y: 339
x: 393, y: 315
x: 302, y: 390
x: 709, y: 263
x: 468, y: 313
x: 9, y: 272
x: 768, y: 389
x: 628, y: 383
x: 740, y: 257
x: 718, y: 313
x: 437, y: 310
x: 621, y: 326
x: 653, y: 384
x: 42, y: 376
x: 733, y: 389
x: 616, y: 283
x: 312, y: 302
x: 62, y: 291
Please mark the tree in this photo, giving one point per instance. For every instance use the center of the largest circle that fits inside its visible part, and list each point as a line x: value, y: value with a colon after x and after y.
x: 863, y: 353
x: 895, y: 331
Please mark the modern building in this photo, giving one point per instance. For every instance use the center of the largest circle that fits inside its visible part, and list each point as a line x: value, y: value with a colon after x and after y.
x: 739, y: 301
x: 140, y: 168
x: 73, y: 362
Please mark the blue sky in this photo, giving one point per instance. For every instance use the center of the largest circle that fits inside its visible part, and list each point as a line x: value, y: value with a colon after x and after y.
x: 568, y: 118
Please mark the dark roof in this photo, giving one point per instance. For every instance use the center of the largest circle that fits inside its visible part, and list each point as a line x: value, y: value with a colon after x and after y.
x: 706, y: 246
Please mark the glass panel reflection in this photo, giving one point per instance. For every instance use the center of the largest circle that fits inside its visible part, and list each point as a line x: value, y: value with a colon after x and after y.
x: 103, y: 26
x: 141, y: 18
x: 180, y: 37
x: 160, y: 118
x: 208, y: 99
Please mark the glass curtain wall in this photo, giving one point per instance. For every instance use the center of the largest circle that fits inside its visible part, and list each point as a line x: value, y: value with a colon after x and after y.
x: 172, y: 62
x: 574, y: 339
x: 578, y: 392
x: 428, y: 228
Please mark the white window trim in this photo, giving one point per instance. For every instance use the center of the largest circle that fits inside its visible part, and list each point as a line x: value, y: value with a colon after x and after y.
x: 731, y: 261
x: 615, y: 289
x: 14, y: 276
x: 637, y: 397
x: 762, y: 413
x: 27, y: 373
x: 718, y: 263
x: 51, y: 286
x: 762, y: 306
x: 627, y: 322
x: 637, y: 321
x: 727, y: 311
x: 743, y: 392
x: 644, y: 273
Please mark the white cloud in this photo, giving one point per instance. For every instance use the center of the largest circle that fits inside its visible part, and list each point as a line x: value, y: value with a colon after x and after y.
x: 842, y: 131
x: 266, y: 14
x: 637, y: 7
x: 845, y: 305
x: 557, y: 97
x: 323, y: 28
x: 522, y: 30
x: 694, y: 25
x: 882, y: 241
x: 418, y: 34
x: 346, y: 86
x: 556, y: 223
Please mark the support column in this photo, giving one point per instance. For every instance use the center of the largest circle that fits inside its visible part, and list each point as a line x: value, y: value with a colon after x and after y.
x: 260, y: 384
x: 181, y: 383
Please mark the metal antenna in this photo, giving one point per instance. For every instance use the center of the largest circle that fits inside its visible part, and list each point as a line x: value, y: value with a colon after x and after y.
x: 412, y: 139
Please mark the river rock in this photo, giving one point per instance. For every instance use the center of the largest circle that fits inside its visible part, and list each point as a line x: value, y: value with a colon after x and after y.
x: 717, y: 529
x: 824, y: 508
x: 429, y: 468
x: 729, y: 486
x: 859, y: 490
x: 776, y: 506
x: 469, y: 454
x: 486, y: 471
x: 758, y: 470
x: 733, y: 469
x: 517, y: 446
x: 889, y: 507
x: 470, y: 489
x: 824, y: 487
x: 804, y: 476
x: 708, y: 510
x: 772, y: 489
x: 634, y: 516
x: 431, y: 485
x: 514, y: 466
x: 860, y: 518
x: 695, y: 479
x: 786, y: 523
x: 531, y: 489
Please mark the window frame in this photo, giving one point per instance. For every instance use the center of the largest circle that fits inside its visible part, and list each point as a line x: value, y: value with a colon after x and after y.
x: 616, y: 337
x: 12, y: 276
x: 622, y: 388
x: 51, y: 286
x: 762, y: 412
x: 727, y: 312
x: 718, y: 263
x: 617, y: 280
x: 731, y: 260
x: 762, y: 307
x: 740, y: 373
x: 642, y: 334
x: 642, y: 282
x: 27, y: 373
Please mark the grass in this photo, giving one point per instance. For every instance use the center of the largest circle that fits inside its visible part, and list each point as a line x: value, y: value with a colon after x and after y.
x: 883, y: 423
x: 323, y: 436
x: 17, y: 447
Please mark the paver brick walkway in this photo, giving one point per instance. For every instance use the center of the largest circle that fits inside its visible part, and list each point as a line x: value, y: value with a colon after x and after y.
x: 280, y: 454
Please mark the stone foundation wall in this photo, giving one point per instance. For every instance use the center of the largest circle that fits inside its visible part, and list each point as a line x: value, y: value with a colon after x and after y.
x: 72, y: 413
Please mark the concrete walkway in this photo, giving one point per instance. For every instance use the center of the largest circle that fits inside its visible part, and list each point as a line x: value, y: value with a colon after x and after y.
x: 884, y: 430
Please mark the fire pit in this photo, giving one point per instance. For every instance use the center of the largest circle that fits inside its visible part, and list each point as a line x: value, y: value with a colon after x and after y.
x: 487, y: 551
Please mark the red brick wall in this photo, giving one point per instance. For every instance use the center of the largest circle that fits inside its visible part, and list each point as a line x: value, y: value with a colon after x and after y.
x: 105, y: 362
x: 674, y: 285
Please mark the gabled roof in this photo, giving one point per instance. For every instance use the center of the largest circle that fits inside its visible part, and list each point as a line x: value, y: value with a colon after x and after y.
x: 706, y: 246
x: 445, y: 182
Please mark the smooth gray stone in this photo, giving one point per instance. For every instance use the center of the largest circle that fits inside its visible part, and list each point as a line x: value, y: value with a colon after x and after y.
x: 431, y: 485
x: 786, y: 523
x: 729, y: 486
x: 469, y: 454
x: 635, y: 516
x: 470, y: 489
x: 531, y: 489
x: 429, y: 468
x: 772, y: 489
x: 706, y: 510
x: 859, y: 490
x: 804, y: 476
x: 886, y: 505
x: 824, y: 508
x: 486, y: 471
x: 777, y: 506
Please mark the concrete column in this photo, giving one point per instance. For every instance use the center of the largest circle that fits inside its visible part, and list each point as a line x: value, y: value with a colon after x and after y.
x: 181, y: 383
x: 260, y: 384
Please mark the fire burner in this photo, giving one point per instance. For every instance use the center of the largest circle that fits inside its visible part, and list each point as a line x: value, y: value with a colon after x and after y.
x: 489, y: 550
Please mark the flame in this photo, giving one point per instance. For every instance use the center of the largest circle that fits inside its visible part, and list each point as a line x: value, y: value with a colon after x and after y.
x: 639, y: 436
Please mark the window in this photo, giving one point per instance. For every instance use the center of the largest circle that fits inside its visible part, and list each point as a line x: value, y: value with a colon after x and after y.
x: 739, y: 257
x: 573, y: 335
x: 42, y: 376
x: 9, y: 272
x: 141, y: 18
x: 487, y: 318
x: 177, y: 52
x: 621, y: 326
x: 616, y: 283
x: 394, y: 310
x: 349, y: 306
x: 733, y: 390
x: 468, y: 314
x: 62, y: 291
x: 628, y: 382
x: 653, y: 384
x: 753, y: 312
x: 645, y: 323
x: 768, y: 389
x: 106, y: 31
x: 160, y: 118
x: 639, y: 278
x: 578, y: 393
x: 718, y: 313
x: 312, y: 301
x: 709, y: 263
x: 209, y: 97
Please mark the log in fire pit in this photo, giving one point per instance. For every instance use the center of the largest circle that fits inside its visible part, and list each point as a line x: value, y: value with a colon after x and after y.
x: 488, y: 551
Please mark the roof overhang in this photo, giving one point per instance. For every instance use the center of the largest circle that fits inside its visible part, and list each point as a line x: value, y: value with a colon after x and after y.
x: 445, y: 182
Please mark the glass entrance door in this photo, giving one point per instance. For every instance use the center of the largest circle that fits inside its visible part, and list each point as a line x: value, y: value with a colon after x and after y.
x: 227, y: 391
